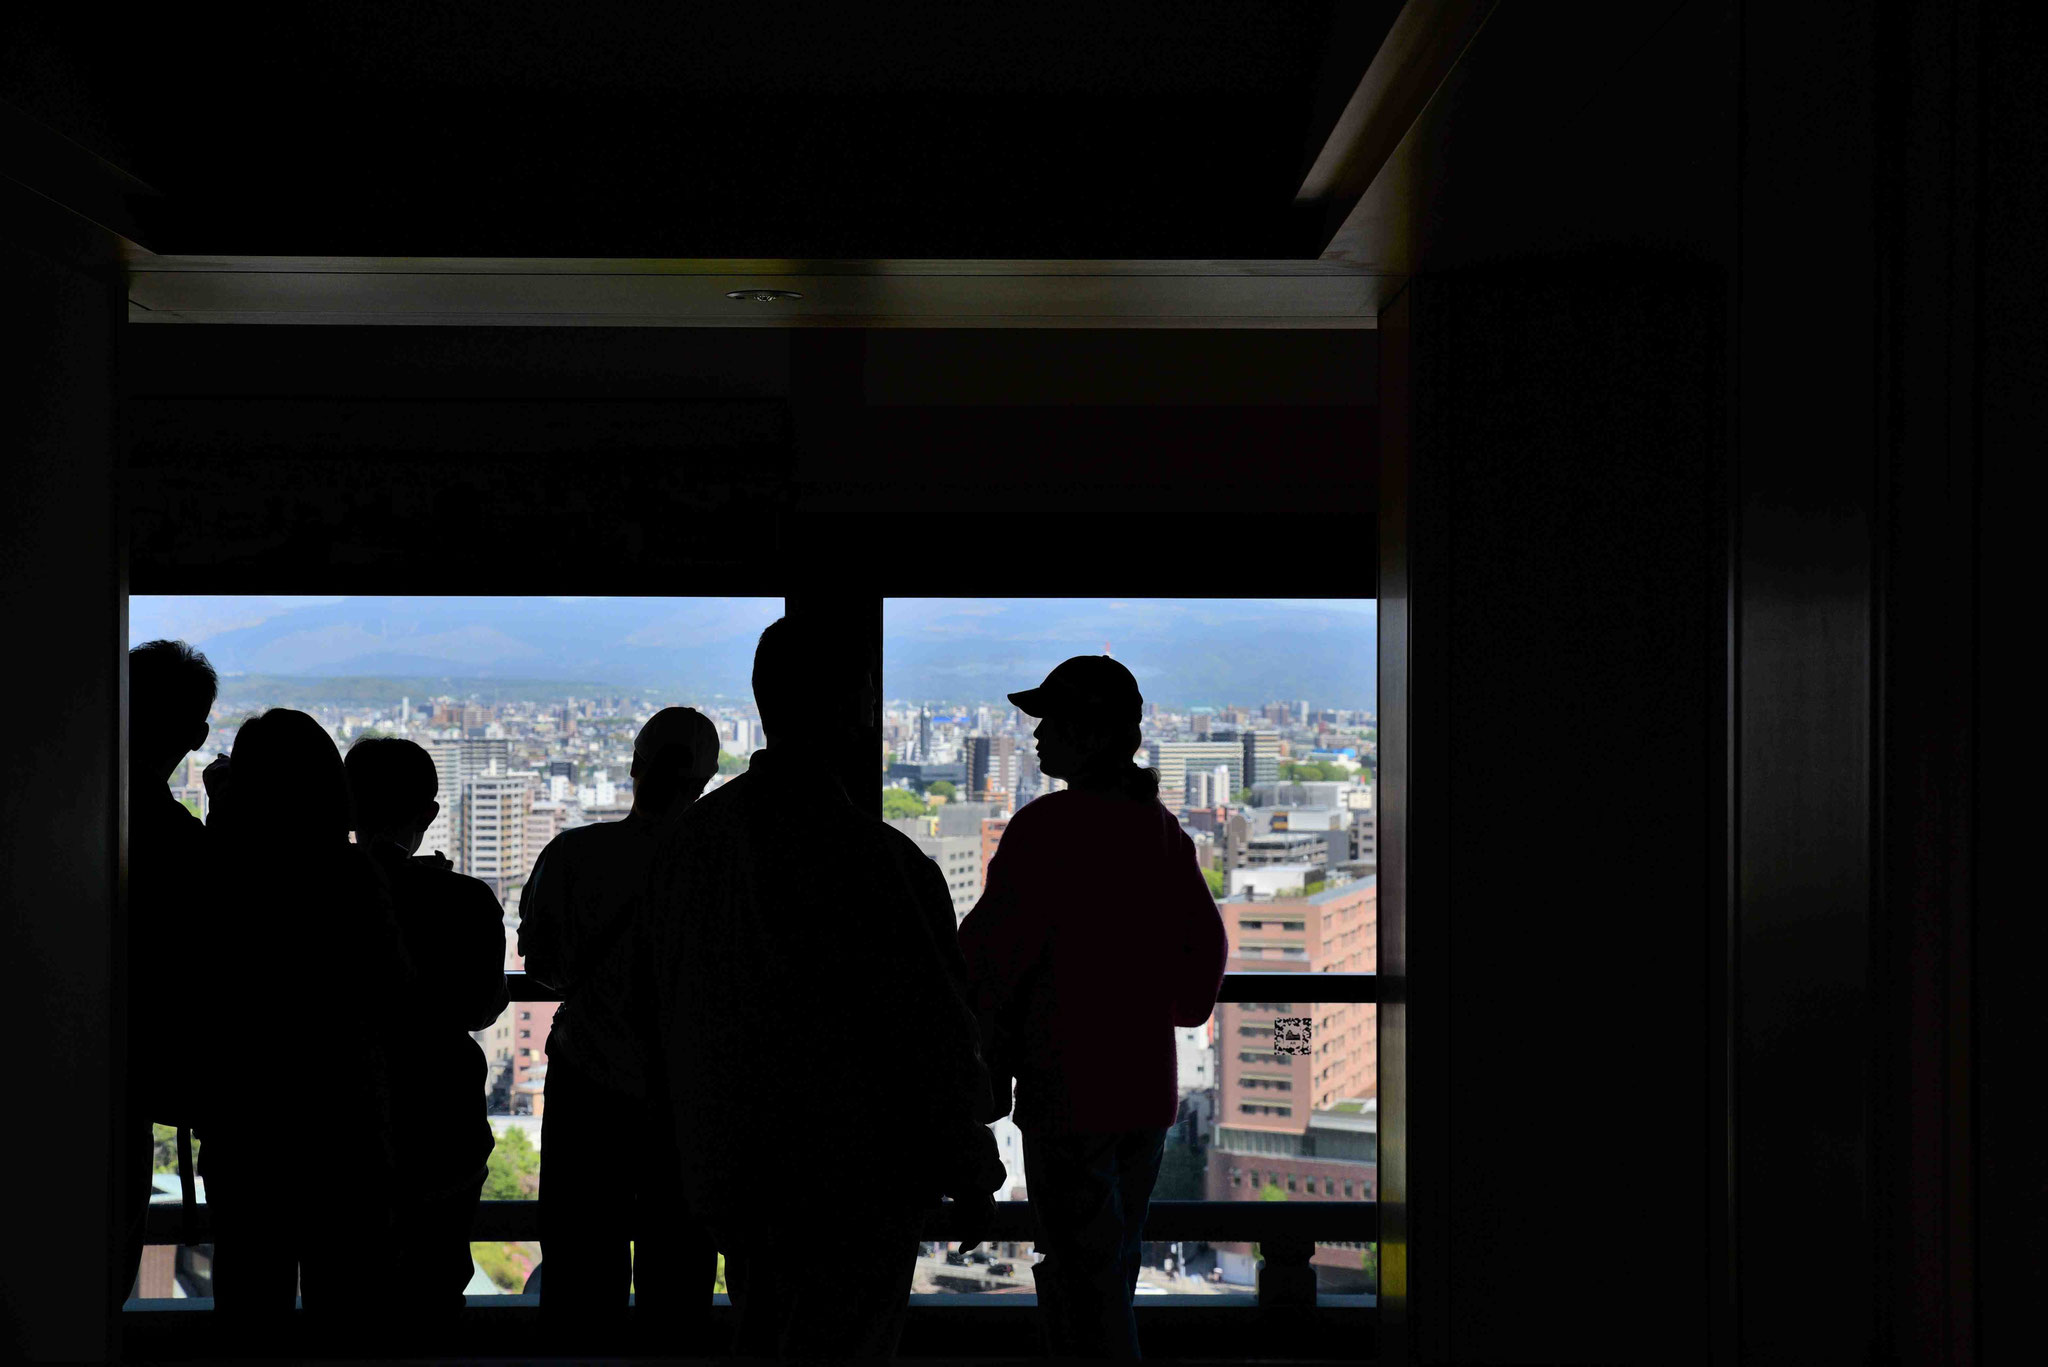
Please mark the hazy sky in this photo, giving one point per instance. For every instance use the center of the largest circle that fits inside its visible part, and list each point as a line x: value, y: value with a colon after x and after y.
x: 1184, y: 651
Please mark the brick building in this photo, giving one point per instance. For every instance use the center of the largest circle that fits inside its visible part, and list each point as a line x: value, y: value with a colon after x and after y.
x: 1297, y: 1107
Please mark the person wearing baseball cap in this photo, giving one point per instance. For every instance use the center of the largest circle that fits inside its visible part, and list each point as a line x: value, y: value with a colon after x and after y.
x: 1095, y: 938
x: 609, y: 1174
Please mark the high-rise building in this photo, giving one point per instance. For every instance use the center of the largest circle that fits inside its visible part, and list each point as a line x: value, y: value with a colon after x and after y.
x: 1174, y: 758
x: 1259, y: 759
x: 1297, y: 1079
x: 991, y: 764
x: 495, y: 807
x: 959, y: 859
x: 544, y: 821
x: 1209, y: 787
x: 443, y: 835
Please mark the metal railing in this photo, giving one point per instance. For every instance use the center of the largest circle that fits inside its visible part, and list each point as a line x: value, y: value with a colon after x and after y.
x: 1286, y: 1231
x: 1334, y: 989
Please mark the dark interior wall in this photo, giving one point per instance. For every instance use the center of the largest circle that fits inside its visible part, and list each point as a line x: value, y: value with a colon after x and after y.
x: 1553, y: 454
x: 2003, y: 1099
x: 62, y: 807
x: 713, y: 461
x: 1781, y: 1148
x: 1560, y: 653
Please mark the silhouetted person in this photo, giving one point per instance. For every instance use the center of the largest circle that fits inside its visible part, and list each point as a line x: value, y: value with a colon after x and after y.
x: 171, y: 688
x: 308, y: 980
x: 453, y: 931
x: 1095, y: 937
x: 609, y: 1172
x: 807, y: 983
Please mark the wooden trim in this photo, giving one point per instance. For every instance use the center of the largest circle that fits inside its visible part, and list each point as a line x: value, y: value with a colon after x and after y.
x: 1425, y: 42
x: 695, y: 294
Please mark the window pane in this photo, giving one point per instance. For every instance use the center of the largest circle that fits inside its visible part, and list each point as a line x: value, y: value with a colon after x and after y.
x: 1260, y: 719
x: 528, y: 707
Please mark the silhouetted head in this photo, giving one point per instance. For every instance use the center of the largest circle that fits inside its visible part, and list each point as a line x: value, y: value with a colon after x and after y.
x: 289, y: 787
x: 392, y: 783
x: 171, y: 688
x: 807, y: 687
x: 1090, y: 706
x: 674, y: 756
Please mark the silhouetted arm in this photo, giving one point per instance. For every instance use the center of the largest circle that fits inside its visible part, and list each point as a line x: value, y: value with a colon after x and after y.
x: 484, y: 994
x: 543, y: 923
x: 1005, y: 933
x: 1204, y: 946
x: 955, y: 1089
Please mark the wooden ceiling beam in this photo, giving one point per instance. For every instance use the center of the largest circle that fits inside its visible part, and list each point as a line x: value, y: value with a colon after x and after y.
x: 1420, y: 49
x: 527, y: 293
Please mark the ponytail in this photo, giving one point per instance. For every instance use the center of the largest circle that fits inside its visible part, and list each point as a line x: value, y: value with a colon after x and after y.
x: 1112, y: 773
x: 1141, y: 784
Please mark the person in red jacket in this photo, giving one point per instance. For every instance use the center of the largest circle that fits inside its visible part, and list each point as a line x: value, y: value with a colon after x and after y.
x: 1095, y: 937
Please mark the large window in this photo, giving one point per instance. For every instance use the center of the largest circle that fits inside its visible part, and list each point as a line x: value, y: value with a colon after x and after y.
x: 528, y: 707
x: 1260, y: 716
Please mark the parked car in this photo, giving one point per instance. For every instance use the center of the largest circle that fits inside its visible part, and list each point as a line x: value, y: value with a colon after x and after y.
x: 978, y: 1257
x: 956, y: 1258
x: 1001, y: 1269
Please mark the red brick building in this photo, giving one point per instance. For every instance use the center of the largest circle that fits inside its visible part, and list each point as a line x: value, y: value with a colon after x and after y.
x: 992, y: 828
x: 1297, y: 1079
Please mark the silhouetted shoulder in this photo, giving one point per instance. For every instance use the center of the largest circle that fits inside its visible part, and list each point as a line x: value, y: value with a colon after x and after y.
x: 1047, y: 811
x: 584, y: 841
x: 435, y: 880
x: 721, y: 806
x: 900, y: 845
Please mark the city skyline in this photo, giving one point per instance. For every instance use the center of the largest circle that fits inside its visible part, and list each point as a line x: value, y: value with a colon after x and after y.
x: 1187, y: 654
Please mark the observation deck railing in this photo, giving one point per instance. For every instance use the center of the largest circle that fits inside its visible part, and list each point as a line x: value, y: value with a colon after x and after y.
x: 1286, y: 1231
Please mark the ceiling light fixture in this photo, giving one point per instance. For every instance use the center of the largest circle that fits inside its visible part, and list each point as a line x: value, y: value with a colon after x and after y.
x: 763, y: 296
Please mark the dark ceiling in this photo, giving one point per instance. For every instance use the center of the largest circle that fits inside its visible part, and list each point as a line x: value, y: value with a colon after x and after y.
x: 1060, y: 129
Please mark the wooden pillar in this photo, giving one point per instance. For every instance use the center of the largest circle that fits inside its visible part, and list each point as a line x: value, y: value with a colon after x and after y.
x: 62, y: 807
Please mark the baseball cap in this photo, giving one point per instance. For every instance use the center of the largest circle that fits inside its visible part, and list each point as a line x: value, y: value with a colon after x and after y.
x: 1086, y: 683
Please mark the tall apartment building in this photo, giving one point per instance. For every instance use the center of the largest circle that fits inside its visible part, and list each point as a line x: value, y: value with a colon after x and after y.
x: 1260, y: 757
x: 991, y: 764
x: 1305, y: 1122
x: 1175, y: 758
x: 544, y: 821
x: 1209, y: 787
x: 959, y: 858
x: 445, y: 833
x: 495, y: 808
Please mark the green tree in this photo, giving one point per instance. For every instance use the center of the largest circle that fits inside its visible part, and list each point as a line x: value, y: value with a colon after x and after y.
x: 165, y: 1156
x: 896, y: 802
x: 512, y: 1158
x: 944, y: 788
x: 1180, y: 1175
x: 1242, y: 795
x: 729, y: 763
x: 499, y: 1264
x: 1215, y: 881
x: 1369, y: 1263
